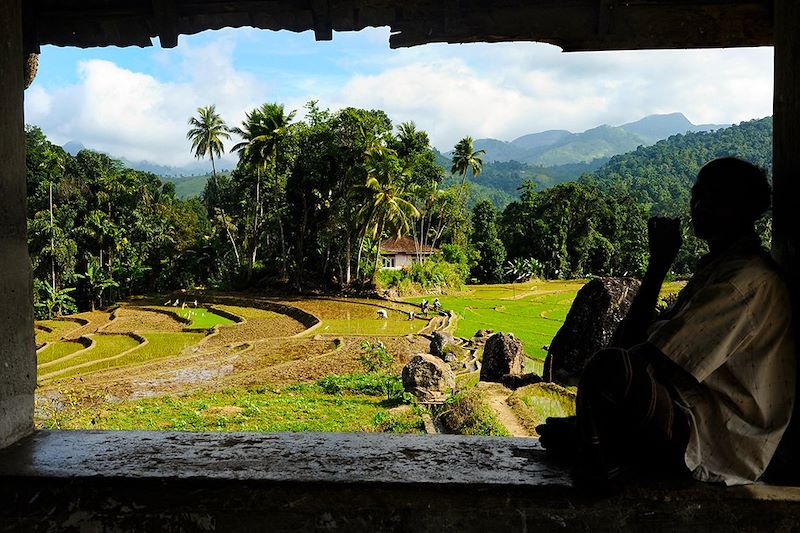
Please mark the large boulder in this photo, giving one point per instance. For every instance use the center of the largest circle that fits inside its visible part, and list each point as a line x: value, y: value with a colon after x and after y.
x: 428, y: 378
x: 502, y: 355
x: 514, y: 382
x: 439, y: 341
x: 598, y: 309
x: 481, y: 336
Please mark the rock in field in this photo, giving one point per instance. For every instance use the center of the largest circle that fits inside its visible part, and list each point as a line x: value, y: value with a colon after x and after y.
x: 439, y: 341
x: 502, y: 355
x: 481, y: 336
x: 428, y: 378
x: 598, y: 309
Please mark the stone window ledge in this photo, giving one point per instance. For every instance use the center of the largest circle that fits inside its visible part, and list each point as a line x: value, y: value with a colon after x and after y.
x: 349, y: 482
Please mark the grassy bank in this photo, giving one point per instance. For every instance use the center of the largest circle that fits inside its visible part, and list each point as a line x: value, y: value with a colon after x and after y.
x: 294, y: 408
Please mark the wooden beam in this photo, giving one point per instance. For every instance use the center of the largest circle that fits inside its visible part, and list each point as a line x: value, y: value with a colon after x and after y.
x: 165, y: 13
x: 786, y: 137
x: 598, y: 25
x: 571, y: 24
x: 786, y: 189
x: 30, y: 38
x: 322, y: 20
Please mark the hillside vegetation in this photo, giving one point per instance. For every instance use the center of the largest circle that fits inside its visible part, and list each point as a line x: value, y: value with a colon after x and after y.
x: 561, y: 147
x: 661, y: 176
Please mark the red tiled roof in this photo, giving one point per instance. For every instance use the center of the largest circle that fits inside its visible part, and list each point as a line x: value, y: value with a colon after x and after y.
x: 405, y: 245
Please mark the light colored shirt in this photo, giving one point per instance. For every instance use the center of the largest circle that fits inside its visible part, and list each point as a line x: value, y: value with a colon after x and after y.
x: 731, y: 330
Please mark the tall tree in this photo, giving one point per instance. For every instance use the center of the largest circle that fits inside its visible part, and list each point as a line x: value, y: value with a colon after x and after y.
x: 53, y: 164
x: 206, y: 133
x: 465, y: 158
x: 386, y: 209
x: 263, y: 132
x: 485, y: 240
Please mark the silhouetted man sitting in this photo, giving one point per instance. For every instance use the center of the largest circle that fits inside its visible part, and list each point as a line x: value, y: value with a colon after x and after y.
x: 708, y: 386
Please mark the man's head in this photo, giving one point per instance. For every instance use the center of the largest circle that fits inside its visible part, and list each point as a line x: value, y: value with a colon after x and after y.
x: 728, y: 196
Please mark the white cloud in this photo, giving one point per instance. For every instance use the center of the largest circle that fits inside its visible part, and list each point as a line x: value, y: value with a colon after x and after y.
x: 498, y: 90
x: 135, y: 115
x: 508, y: 90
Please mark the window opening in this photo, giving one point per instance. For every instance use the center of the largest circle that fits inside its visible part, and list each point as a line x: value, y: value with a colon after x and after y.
x: 138, y: 247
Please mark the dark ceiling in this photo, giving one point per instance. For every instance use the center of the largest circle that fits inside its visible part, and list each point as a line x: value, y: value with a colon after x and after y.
x: 570, y: 24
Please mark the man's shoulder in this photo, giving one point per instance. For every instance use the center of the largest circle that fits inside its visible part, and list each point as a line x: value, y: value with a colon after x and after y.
x: 746, y: 271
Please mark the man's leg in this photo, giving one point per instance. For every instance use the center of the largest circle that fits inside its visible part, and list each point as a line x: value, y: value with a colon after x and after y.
x: 625, y: 417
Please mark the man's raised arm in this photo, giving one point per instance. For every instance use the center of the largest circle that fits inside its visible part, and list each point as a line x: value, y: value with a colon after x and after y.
x: 664, y: 238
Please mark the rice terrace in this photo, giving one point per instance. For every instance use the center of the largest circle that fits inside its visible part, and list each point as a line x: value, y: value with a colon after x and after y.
x: 243, y: 362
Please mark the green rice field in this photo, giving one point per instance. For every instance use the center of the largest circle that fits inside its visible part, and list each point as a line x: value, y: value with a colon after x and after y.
x: 203, y: 318
x: 396, y: 324
x: 59, y: 329
x: 532, y: 311
x: 159, y: 345
x: 104, y: 346
x: 57, y: 350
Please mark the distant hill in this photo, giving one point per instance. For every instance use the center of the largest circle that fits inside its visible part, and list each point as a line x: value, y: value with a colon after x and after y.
x: 656, y: 127
x: 602, y: 141
x: 190, y: 186
x: 195, y: 169
x: 561, y: 147
x: 167, y: 171
x: 533, y: 141
x: 73, y: 147
x: 442, y: 160
x: 662, y: 175
x: 500, y: 181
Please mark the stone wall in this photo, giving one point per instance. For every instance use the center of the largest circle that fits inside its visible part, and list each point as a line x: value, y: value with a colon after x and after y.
x: 17, y: 349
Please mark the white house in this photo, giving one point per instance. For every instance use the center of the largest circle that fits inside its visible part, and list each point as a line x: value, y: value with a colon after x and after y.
x: 404, y: 251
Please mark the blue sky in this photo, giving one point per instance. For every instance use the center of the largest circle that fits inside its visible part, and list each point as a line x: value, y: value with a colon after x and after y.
x: 135, y: 102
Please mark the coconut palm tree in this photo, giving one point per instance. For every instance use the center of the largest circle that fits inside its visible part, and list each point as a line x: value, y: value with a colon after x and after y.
x: 465, y: 157
x: 385, y: 208
x: 206, y: 133
x: 53, y: 164
x: 263, y: 132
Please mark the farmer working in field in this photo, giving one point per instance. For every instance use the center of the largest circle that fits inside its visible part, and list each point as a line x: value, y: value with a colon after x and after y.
x: 708, y: 386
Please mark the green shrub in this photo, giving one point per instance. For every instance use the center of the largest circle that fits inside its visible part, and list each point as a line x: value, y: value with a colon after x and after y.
x: 390, y: 278
x: 367, y: 384
x: 375, y: 357
x: 434, y: 274
x: 399, y: 422
x: 467, y: 414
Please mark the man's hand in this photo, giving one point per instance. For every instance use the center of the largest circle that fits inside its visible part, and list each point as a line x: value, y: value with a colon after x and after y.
x: 559, y: 435
x: 664, y: 236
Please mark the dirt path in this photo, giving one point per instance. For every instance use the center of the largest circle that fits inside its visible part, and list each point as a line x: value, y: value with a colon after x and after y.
x: 496, y: 396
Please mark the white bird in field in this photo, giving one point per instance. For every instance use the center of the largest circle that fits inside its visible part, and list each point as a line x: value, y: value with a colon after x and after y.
x: 167, y: 303
x: 177, y: 301
x: 382, y: 313
x: 195, y: 304
x: 183, y: 305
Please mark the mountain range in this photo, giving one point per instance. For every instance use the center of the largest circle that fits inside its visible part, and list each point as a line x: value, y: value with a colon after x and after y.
x: 195, y: 168
x: 662, y: 175
x: 561, y: 147
x: 549, y: 157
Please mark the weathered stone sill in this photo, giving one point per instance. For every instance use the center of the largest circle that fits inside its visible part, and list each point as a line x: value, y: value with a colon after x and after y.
x: 168, y: 481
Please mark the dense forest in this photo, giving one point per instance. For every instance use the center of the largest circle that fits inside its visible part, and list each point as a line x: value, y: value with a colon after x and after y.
x: 661, y: 176
x: 309, y: 201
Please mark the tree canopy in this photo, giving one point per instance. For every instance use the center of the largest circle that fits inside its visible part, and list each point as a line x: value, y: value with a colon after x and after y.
x: 310, y: 201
